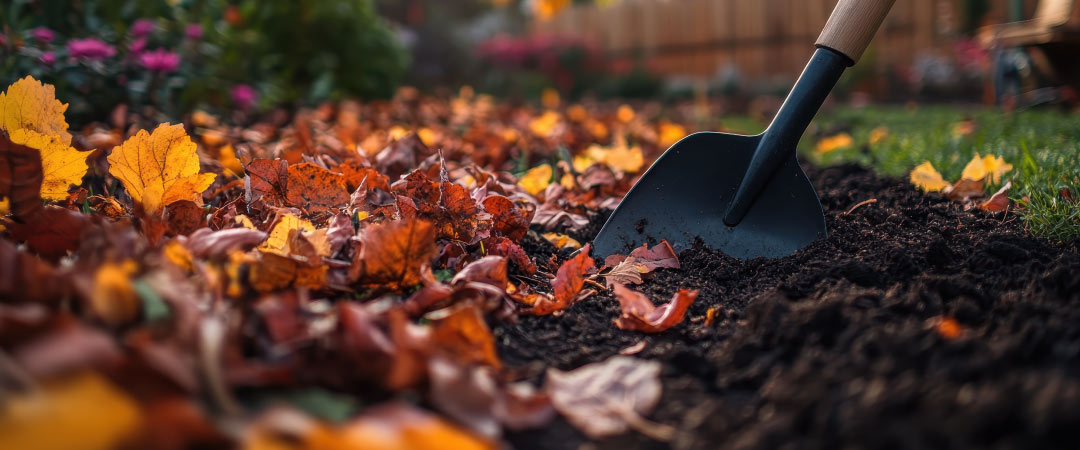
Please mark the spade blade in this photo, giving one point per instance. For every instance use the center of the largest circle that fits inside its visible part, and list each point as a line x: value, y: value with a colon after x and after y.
x: 686, y: 192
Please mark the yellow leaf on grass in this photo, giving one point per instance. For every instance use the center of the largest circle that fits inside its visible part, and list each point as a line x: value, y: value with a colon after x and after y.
x: 278, y: 240
x: 159, y: 168
x: 927, y: 178
x: 61, y: 165
x: 28, y: 104
x: 536, y: 179
x: 842, y: 140
x: 989, y: 167
x: 83, y: 412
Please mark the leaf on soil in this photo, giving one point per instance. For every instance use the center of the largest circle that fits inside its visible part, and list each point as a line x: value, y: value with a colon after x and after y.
x: 393, y: 253
x: 999, y: 201
x: 989, y: 168
x: 561, y: 240
x: 83, y: 411
x: 568, y: 281
x: 628, y: 271
x: 315, y: 189
x: 639, y: 313
x: 267, y: 180
x: 965, y: 189
x: 31, y: 105
x: 925, y: 177
x: 603, y: 399
x: 660, y: 256
x: 489, y: 269
x: 159, y: 168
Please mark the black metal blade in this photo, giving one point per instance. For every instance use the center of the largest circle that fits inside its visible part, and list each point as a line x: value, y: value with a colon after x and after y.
x: 686, y: 192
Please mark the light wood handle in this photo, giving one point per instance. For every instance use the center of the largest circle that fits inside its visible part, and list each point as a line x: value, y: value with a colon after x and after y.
x: 852, y: 25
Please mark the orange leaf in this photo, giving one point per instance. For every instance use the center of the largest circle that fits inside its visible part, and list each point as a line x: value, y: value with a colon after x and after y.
x: 464, y: 335
x: 507, y: 219
x: 393, y: 252
x: 999, y: 201
x: 639, y: 313
x: 315, y: 189
x: 267, y: 180
x: 568, y: 281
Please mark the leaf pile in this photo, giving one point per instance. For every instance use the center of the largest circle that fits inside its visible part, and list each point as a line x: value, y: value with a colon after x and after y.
x: 158, y: 284
x: 971, y: 186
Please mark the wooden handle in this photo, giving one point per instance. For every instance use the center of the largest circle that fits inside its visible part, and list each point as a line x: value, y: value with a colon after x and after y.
x: 852, y: 25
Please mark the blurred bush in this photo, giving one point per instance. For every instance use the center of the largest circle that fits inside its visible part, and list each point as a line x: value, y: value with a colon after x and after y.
x: 173, y: 55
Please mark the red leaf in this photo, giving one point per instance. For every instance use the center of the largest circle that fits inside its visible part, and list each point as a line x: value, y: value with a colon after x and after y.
x: 639, y: 313
x: 567, y: 283
x: 267, y: 180
x: 999, y: 202
x: 660, y: 256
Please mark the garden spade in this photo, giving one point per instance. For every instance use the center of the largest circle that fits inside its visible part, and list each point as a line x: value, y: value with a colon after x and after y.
x: 745, y: 195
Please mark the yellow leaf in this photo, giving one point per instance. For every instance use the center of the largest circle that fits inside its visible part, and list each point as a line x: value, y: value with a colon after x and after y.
x: 61, y: 165
x: 991, y: 167
x: 598, y: 129
x: 582, y: 162
x: 671, y: 133
x: 278, y: 240
x: 244, y: 221
x: 619, y: 156
x: 397, y: 133
x: 83, y: 412
x: 159, y: 168
x: 28, y: 104
x: 545, y: 125
x: 562, y: 241
x: 176, y: 253
x: 842, y: 140
x: 878, y: 134
x: 229, y: 161
x: 927, y: 178
x: 113, y: 299
x: 428, y: 136
x: 536, y: 179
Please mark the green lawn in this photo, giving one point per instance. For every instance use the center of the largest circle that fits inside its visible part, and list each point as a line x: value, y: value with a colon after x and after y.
x: 1042, y: 146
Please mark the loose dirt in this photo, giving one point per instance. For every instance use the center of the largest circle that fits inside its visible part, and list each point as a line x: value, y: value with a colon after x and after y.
x: 915, y: 324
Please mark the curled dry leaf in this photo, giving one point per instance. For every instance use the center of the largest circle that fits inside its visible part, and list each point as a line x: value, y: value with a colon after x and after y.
x: 473, y: 396
x: 999, y: 201
x: 568, y: 281
x: 603, y: 399
x: 489, y: 269
x: 639, y: 313
x: 393, y: 253
x: 965, y: 189
x: 159, y: 168
x: 205, y: 243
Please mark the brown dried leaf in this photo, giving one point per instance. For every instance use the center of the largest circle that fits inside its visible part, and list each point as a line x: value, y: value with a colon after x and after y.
x: 639, y: 313
x: 315, y: 189
x: 393, y: 253
x: 267, y: 180
x: 568, y: 281
x: 602, y: 399
x: 999, y: 201
x: 507, y: 219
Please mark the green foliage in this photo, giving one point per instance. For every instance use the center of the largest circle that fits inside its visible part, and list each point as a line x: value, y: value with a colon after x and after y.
x: 1041, y: 145
x: 290, y: 52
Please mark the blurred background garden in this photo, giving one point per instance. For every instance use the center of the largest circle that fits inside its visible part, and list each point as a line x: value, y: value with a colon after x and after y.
x: 725, y: 65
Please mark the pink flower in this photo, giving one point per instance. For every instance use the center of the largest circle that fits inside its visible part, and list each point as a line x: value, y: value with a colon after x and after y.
x: 142, y: 28
x: 160, y: 60
x: 243, y: 96
x: 43, y: 35
x: 193, y: 31
x: 92, y: 49
x: 48, y: 58
x: 138, y: 45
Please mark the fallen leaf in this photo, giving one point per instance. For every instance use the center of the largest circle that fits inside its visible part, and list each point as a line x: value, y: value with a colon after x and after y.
x: 507, y: 219
x: 30, y: 105
x: 473, y: 396
x: 965, y: 189
x: 92, y: 413
x: 639, y: 313
x: 660, y: 256
x: 877, y: 135
x: 628, y: 271
x: 113, y: 299
x: 393, y: 252
x: 831, y: 143
x: 205, y: 243
x: 51, y: 233
x: 925, y: 177
x: 159, y: 168
x: 999, y: 201
x: 286, y: 225
x: 315, y: 189
x: 989, y: 168
x: 20, y: 178
x: 536, y: 179
x: 619, y: 156
x: 602, y: 399
x: 267, y: 180
x: 464, y: 336
x: 61, y: 165
x: 569, y: 280
x: 489, y: 269
x: 561, y: 240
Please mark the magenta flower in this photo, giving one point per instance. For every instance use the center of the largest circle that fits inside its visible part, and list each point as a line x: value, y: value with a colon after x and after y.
x: 92, y: 49
x: 193, y: 31
x: 43, y: 35
x: 160, y: 60
x: 243, y: 96
x: 138, y: 45
x: 142, y: 28
x: 48, y: 58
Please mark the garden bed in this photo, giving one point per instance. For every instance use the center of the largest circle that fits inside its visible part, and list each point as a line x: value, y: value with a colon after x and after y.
x: 915, y: 324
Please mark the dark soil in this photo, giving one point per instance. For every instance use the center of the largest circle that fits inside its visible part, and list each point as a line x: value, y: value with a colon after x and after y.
x: 836, y: 345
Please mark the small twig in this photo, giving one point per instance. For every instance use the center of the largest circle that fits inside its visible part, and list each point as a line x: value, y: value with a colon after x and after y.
x: 858, y: 205
x: 596, y: 285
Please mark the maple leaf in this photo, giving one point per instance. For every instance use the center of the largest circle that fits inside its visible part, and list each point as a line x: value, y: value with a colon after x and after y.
x: 393, y: 253
x: 30, y: 105
x: 925, y: 177
x: 561, y: 240
x: 159, y: 168
x: 639, y: 313
x: 569, y: 280
x: 267, y: 180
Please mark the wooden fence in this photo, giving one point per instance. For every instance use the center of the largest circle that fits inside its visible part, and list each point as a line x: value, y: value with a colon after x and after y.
x: 767, y: 40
